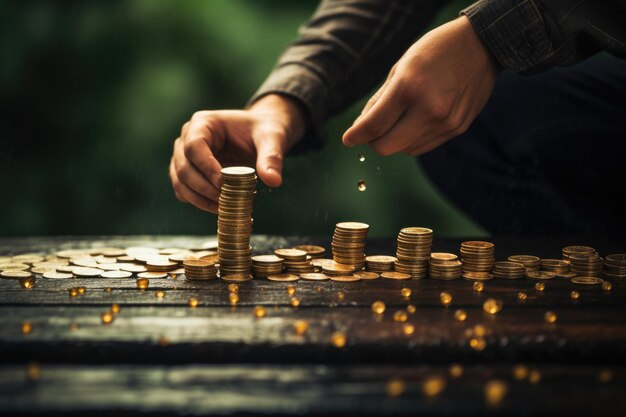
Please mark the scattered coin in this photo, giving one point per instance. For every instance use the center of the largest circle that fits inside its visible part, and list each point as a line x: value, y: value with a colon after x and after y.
x: 314, y: 276
x: 367, y: 275
x: 283, y: 277
x: 57, y: 275
x: 87, y: 272
x: 540, y: 275
x: 14, y: 274
x: 477, y: 276
x: 150, y: 275
x: 587, y: 280
x: 344, y: 278
x: 395, y: 275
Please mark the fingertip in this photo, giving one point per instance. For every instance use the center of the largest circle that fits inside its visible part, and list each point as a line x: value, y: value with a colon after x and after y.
x: 271, y: 177
x: 345, y: 139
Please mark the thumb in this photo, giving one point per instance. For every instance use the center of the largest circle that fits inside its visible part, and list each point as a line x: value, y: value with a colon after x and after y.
x: 270, y: 151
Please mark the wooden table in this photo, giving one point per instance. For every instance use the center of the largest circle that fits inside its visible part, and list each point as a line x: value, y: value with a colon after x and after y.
x: 161, y: 357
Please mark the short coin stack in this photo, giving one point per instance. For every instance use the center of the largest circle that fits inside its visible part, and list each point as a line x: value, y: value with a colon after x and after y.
x: 348, y: 243
x: 380, y: 263
x: 574, y: 250
x: 559, y: 266
x: 531, y: 262
x: 586, y: 264
x: 413, y: 253
x: 615, y: 266
x: 444, y: 266
x: 264, y: 265
x: 234, y: 222
x: 509, y: 270
x: 197, y: 269
x: 477, y: 256
x: 295, y: 261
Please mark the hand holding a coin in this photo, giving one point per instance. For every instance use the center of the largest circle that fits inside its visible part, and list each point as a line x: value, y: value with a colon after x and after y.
x: 431, y: 95
x: 259, y: 136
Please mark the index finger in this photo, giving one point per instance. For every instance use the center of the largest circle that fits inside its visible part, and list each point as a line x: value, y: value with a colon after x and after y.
x: 201, y: 141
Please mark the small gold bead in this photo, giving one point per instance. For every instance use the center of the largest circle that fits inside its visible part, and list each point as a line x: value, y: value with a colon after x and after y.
x: 492, y: 306
x: 159, y: 294
x: 300, y: 327
x: 106, y: 318
x: 445, y: 298
x: 521, y: 296
x: 233, y: 297
x: 193, y: 302
x: 408, y: 329
x: 378, y: 307
x: 27, y: 327
x: 607, y: 286
x: 550, y: 317
x: 233, y: 288
x: 115, y: 308
x: 295, y: 302
x: 143, y: 283
x: 400, y: 316
x: 574, y: 295
x: 291, y: 290
x: 460, y: 315
x: 338, y: 339
x: 411, y: 309
x: 395, y: 387
x: 433, y: 386
x: 259, y: 312
x: 405, y: 292
x: 478, y: 286
x: 540, y: 286
x: 456, y: 370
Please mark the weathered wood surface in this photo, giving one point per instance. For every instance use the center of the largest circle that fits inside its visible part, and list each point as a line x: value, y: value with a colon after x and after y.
x: 160, y: 356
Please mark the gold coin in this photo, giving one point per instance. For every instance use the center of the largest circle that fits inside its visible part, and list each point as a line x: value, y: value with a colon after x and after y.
x: 283, y: 277
x: 353, y: 226
x: 236, y: 277
x: 13, y: 265
x: 381, y: 259
x: 395, y: 275
x: 267, y: 259
x: 314, y: 276
x: 587, y: 280
x: 153, y: 275
x: 114, y: 274
x: 87, y: 272
x: 366, y: 275
x: 15, y: 274
x: 57, y: 275
x: 441, y: 256
x: 290, y: 253
x: 311, y: 250
x: 477, y: 276
x: 345, y: 278
x: 540, y: 274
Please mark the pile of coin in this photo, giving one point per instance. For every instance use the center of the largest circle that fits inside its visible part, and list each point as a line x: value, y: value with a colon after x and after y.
x: 234, y: 222
x: 348, y: 245
x: 586, y: 264
x: 477, y: 256
x: 572, y: 250
x: 197, y: 269
x: 509, y: 270
x: 264, y: 265
x: 532, y: 263
x: 296, y: 261
x: 615, y: 266
x: 379, y: 263
x: 413, y: 253
x: 444, y: 266
x: 559, y: 266
x: 315, y: 252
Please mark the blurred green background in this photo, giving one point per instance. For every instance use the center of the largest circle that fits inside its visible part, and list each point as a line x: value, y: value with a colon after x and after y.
x: 93, y: 94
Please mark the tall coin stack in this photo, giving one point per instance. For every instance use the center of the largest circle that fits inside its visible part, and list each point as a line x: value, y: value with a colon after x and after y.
x: 586, y: 264
x: 348, y: 245
x: 413, y: 253
x: 615, y: 266
x: 477, y: 256
x: 234, y: 223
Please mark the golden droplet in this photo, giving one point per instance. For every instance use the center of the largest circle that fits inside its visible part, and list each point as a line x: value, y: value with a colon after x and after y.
x: 495, y: 391
x: 106, y: 318
x: 259, y: 312
x: 574, y: 295
x: 82, y: 290
x: 607, y: 286
x: 361, y: 157
x: 74, y: 327
x: 295, y: 302
x: 73, y: 292
x: 115, y: 309
x: 445, y: 298
x: 521, y: 296
x: 300, y: 327
x: 478, y: 286
x: 291, y: 290
x: 433, y: 386
x: 605, y: 376
x: 108, y: 289
x: 142, y: 283
x: 338, y: 339
x: 340, y: 295
x: 405, y: 292
x: 400, y: 316
x: 411, y: 309
x: 378, y: 307
x: 492, y: 306
x: 395, y: 387
x: 540, y: 286
x: 159, y: 294
x: 456, y: 370
x: 33, y: 371
x: 163, y: 341
x: 27, y: 282
x: 193, y: 302
x: 233, y: 297
x: 408, y: 329
x: 27, y: 327
x: 361, y: 186
x: 534, y: 377
x: 480, y: 330
x: 460, y: 315
x: 233, y: 288
x: 520, y: 372
x: 478, y: 343
x: 550, y: 317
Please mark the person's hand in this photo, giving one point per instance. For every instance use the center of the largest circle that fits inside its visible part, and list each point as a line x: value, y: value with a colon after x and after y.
x: 431, y: 95
x: 259, y: 136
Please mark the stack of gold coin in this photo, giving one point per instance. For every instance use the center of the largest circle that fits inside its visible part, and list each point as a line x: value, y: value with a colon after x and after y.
x: 531, y: 262
x: 615, y: 266
x: 558, y: 266
x: 234, y: 222
x: 477, y: 256
x: 315, y: 252
x: 379, y: 263
x: 160, y: 264
x: 335, y: 269
x: 264, y: 265
x: 586, y: 264
x: 348, y: 243
x: 571, y: 250
x: 196, y: 269
x: 509, y: 270
x: 295, y: 261
x: 444, y: 266
x: 413, y: 251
